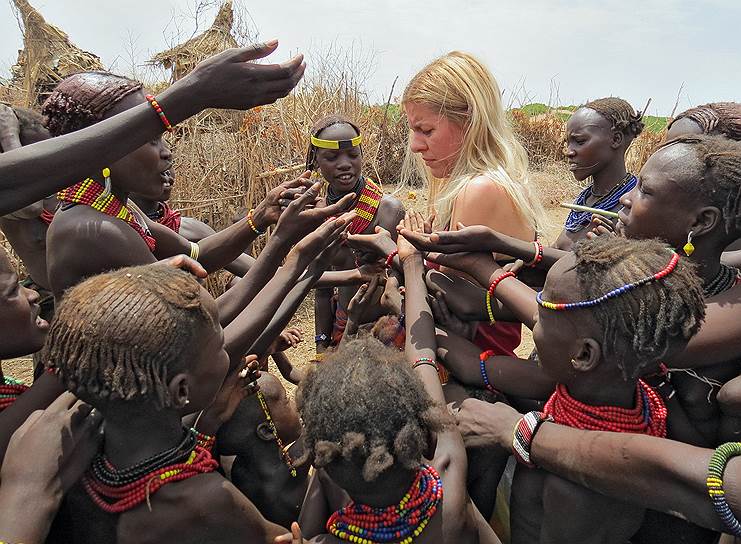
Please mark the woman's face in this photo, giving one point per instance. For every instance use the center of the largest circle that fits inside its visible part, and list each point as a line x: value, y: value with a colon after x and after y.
x: 589, y: 143
x: 147, y: 170
x: 658, y: 207
x: 435, y: 137
x: 23, y: 331
x: 340, y: 167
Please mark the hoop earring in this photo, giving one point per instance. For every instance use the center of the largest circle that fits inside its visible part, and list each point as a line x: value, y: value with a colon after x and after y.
x: 107, y: 177
x: 689, y: 247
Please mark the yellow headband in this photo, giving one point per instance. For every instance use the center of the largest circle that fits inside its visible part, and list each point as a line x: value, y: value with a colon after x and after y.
x: 336, y: 144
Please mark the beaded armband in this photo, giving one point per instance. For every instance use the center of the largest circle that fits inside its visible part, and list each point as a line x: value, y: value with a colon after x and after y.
x: 482, y: 365
x: 538, y: 255
x: 522, y: 438
x: 157, y: 108
x: 321, y: 338
x: 251, y: 222
x: 490, y: 293
x: 425, y: 361
x: 195, y: 251
x: 714, y: 481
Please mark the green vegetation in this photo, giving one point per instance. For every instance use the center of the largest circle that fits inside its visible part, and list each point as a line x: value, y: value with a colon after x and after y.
x: 653, y: 123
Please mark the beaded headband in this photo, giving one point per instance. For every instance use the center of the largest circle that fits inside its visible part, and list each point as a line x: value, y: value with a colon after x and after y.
x: 336, y: 144
x: 668, y: 269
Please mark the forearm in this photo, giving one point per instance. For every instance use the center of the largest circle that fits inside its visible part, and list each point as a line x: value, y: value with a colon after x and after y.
x: 652, y: 472
x: 224, y: 247
x: 241, y: 265
x: 518, y: 298
x: 521, y: 249
x: 420, y: 330
x: 27, y: 511
x: 323, y: 317
x: 339, y: 278
x: 286, y: 368
x: 234, y: 301
x: 49, y: 166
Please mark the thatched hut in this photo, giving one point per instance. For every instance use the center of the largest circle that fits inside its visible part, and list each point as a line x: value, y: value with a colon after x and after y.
x: 182, y: 58
x: 47, y: 56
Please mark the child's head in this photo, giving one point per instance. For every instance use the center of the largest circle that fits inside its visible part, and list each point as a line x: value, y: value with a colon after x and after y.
x: 31, y: 125
x: 690, y: 184
x: 367, y: 417
x: 719, y: 118
x: 83, y: 99
x: 23, y: 331
x: 146, y: 336
x: 630, y: 332
x: 334, y: 153
x: 598, y: 133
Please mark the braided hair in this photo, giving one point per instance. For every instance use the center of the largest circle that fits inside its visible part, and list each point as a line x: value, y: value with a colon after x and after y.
x: 81, y: 100
x: 721, y: 118
x: 316, y: 130
x: 641, y: 326
x: 366, y: 405
x: 620, y: 114
x: 717, y: 178
x: 122, y: 335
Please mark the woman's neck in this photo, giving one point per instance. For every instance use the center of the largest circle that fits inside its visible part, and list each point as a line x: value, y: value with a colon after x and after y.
x: 131, y: 438
x: 147, y: 206
x: 607, y: 178
x: 621, y: 393
x: 707, y: 259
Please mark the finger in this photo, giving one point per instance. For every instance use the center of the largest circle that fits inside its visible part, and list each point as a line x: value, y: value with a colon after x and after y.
x: 443, y: 304
x: 183, y: 262
x: 63, y: 402
x: 339, y: 207
x: 296, y: 533
x: 253, y: 52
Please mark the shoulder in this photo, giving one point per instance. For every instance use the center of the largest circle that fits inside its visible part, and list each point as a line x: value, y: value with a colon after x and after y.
x: 194, y: 230
x: 482, y: 187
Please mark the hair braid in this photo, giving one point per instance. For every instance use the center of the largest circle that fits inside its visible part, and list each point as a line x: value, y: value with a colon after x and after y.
x: 719, y: 118
x: 620, y: 114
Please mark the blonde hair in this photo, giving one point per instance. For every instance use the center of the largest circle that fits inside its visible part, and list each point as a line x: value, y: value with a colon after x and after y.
x: 462, y: 89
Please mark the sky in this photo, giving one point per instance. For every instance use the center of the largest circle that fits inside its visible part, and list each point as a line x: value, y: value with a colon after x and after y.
x: 554, y: 51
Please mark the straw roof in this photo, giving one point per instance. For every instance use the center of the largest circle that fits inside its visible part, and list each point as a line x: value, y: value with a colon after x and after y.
x: 47, y: 56
x: 182, y: 58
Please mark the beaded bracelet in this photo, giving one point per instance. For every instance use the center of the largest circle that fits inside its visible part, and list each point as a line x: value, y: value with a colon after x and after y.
x: 538, y: 255
x: 390, y: 258
x: 251, y: 222
x: 425, y: 361
x: 157, y: 108
x: 523, y: 434
x: 482, y: 365
x: 490, y: 293
x: 714, y: 481
x: 195, y: 251
x: 321, y: 338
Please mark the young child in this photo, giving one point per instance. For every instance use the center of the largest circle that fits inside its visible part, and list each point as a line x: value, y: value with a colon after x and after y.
x: 335, y: 151
x: 371, y: 447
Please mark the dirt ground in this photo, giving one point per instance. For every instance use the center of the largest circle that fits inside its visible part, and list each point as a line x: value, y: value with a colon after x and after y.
x: 22, y: 368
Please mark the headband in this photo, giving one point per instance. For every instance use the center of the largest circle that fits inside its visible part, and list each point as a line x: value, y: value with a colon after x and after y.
x: 336, y: 144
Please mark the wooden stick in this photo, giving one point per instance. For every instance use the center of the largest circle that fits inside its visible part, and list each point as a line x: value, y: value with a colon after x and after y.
x: 596, y: 211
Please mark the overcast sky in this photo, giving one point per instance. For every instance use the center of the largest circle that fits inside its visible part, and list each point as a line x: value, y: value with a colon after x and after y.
x: 579, y: 49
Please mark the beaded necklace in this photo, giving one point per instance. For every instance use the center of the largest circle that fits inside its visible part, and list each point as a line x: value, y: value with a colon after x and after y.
x: 576, y: 221
x: 116, y: 491
x: 400, y: 523
x: 726, y: 278
x: 10, y: 390
x: 165, y: 215
x: 369, y: 196
x: 282, y: 449
x: 91, y: 193
x: 648, y: 416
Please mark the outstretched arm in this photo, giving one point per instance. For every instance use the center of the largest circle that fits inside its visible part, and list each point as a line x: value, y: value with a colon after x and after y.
x: 226, y: 80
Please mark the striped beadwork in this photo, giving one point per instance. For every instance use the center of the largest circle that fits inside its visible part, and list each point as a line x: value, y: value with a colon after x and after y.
x: 714, y: 482
x: 366, y: 207
x: 522, y: 437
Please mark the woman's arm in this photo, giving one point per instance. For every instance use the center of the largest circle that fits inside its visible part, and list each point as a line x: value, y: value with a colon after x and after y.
x: 226, y: 80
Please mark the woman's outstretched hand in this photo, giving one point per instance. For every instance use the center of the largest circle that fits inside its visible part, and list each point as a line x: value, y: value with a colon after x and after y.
x: 412, y: 223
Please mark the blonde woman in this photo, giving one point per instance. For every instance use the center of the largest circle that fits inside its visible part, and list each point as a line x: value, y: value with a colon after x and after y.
x: 478, y: 171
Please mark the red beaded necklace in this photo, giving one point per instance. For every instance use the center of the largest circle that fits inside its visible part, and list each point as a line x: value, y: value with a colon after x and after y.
x: 120, y: 498
x: 366, y: 207
x: 166, y: 216
x: 91, y: 193
x: 648, y: 416
x: 401, y: 522
x: 10, y: 390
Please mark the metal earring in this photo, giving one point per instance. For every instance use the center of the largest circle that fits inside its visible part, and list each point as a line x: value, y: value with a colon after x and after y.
x: 689, y: 247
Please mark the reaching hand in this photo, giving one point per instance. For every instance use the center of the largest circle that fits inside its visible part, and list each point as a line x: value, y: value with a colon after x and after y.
x: 364, y: 298
x: 301, y: 217
x: 392, y: 299
x: 323, y: 241
x: 369, y: 270
x: 53, y: 447
x: 294, y: 537
x: 465, y: 239
x: 480, y: 266
x: 379, y: 244
x: 230, y: 81
x: 238, y: 384
x: 483, y: 424
x: 185, y: 263
x: 412, y: 222
x: 269, y: 210
x: 448, y: 320
x: 289, y: 338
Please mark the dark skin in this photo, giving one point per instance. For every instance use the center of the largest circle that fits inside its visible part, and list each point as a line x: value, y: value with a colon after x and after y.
x: 258, y: 470
x: 341, y: 169
x: 227, y: 80
x: 458, y: 520
x: 136, y: 430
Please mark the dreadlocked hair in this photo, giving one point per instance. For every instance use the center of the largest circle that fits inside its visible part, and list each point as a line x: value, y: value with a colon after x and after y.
x: 81, y: 100
x: 641, y: 326
x: 721, y: 118
x: 365, y: 404
x: 717, y: 179
x: 122, y: 335
x: 319, y: 126
x: 620, y: 114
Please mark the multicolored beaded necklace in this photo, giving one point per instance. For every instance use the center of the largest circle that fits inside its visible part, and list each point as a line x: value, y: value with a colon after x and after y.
x: 648, y: 416
x: 91, y: 193
x: 282, y: 449
x: 400, y: 523
x: 10, y: 390
x: 165, y: 215
x: 116, y: 491
x: 366, y: 206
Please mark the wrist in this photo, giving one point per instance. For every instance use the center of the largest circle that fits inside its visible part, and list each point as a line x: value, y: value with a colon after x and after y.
x: 26, y: 511
x: 259, y: 217
x: 413, y: 259
x: 182, y: 99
